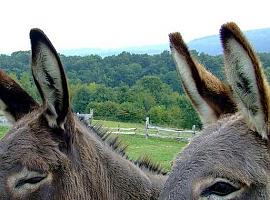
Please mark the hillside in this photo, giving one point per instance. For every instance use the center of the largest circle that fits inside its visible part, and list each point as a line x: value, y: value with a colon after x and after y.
x: 259, y: 38
x: 149, y: 49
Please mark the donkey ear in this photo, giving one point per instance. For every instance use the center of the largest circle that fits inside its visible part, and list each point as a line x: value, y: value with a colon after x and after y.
x: 50, y: 79
x: 14, y: 101
x: 244, y: 73
x: 209, y: 95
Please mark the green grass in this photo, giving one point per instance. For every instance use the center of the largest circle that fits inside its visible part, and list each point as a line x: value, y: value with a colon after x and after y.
x: 114, y: 124
x: 159, y: 150
x: 3, y: 130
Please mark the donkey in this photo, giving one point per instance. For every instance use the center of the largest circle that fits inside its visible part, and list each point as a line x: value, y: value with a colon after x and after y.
x: 50, y: 154
x: 230, y: 158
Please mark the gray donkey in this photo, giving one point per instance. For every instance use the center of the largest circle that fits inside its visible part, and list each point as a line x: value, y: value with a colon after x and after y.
x: 230, y: 158
x: 50, y: 154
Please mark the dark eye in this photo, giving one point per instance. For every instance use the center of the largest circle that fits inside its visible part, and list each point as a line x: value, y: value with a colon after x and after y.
x: 219, y: 189
x: 33, y: 180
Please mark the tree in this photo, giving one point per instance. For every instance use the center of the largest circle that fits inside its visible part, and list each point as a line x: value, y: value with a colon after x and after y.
x: 81, y: 99
x: 189, y: 116
x: 171, y: 78
x: 105, y: 110
x: 104, y: 93
x: 158, y: 115
x: 130, y: 112
x: 154, y: 86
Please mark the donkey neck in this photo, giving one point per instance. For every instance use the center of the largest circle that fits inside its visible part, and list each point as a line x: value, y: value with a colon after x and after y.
x: 126, y: 180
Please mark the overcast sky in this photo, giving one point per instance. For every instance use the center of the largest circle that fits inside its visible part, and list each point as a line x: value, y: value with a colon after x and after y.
x: 122, y: 23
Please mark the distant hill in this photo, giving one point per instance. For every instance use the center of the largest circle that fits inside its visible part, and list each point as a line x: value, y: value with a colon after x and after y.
x: 259, y: 38
x: 149, y: 49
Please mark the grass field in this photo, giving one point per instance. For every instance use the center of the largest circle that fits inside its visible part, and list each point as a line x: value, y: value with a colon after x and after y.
x: 159, y: 150
x: 112, y: 124
x: 3, y: 130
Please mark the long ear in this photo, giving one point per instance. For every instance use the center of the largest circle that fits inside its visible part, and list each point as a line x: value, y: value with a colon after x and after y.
x: 50, y: 79
x: 209, y: 95
x: 244, y: 73
x: 14, y: 101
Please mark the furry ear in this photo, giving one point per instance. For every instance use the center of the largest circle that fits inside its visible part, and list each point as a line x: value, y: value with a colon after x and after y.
x: 209, y: 95
x: 244, y: 73
x: 14, y: 101
x: 50, y: 79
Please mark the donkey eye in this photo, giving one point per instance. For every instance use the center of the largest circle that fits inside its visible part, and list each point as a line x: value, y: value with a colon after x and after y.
x: 26, y: 181
x: 32, y: 180
x: 219, y: 189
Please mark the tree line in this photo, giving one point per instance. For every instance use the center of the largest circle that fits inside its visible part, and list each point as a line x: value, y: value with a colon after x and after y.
x: 124, y: 87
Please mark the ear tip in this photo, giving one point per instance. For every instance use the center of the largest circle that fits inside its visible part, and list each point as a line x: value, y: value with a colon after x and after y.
x: 177, y: 42
x: 175, y: 39
x: 229, y: 30
x: 36, y: 35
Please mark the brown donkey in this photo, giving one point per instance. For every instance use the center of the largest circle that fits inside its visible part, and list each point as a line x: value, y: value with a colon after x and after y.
x: 50, y: 154
x: 230, y: 158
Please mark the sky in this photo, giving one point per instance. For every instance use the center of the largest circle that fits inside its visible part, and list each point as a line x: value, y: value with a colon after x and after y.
x: 122, y: 23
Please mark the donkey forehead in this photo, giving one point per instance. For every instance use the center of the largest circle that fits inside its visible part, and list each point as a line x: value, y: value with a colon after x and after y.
x: 31, y: 144
x: 24, y: 131
x: 226, y: 149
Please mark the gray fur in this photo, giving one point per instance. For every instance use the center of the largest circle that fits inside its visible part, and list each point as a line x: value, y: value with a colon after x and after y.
x: 229, y: 158
x: 227, y: 149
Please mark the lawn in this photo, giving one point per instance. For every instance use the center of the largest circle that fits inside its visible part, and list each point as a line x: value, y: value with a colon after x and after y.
x: 160, y: 150
x: 115, y: 124
x: 3, y: 130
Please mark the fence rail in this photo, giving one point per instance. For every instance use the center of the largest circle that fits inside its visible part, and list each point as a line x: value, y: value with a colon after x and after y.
x: 126, y: 131
x: 148, y: 131
x: 155, y: 131
x: 4, y: 121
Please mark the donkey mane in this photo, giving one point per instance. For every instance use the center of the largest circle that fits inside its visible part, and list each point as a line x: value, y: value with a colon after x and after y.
x: 144, y: 162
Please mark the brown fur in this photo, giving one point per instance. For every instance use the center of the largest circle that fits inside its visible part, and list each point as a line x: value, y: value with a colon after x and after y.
x: 230, y: 158
x: 230, y: 30
x: 50, y: 154
x: 210, y: 88
x: 10, y: 93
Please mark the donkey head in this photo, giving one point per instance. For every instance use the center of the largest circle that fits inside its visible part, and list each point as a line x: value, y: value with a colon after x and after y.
x: 36, y: 149
x: 230, y: 158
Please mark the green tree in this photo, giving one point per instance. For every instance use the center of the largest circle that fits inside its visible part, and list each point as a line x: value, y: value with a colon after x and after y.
x: 81, y: 99
x: 189, y: 116
x: 130, y: 112
x: 104, y: 110
x: 103, y: 93
x: 27, y: 84
x: 158, y: 115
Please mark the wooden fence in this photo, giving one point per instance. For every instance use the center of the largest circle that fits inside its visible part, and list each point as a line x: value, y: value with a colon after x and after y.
x: 127, y: 131
x: 155, y: 131
x: 148, y: 131
x: 4, y: 121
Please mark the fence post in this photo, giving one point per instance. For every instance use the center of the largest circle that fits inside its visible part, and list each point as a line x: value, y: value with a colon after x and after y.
x: 118, y: 128
x: 157, y: 132
x: 91, y: 116
x: 194, y: 129
x: 146, y: 127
